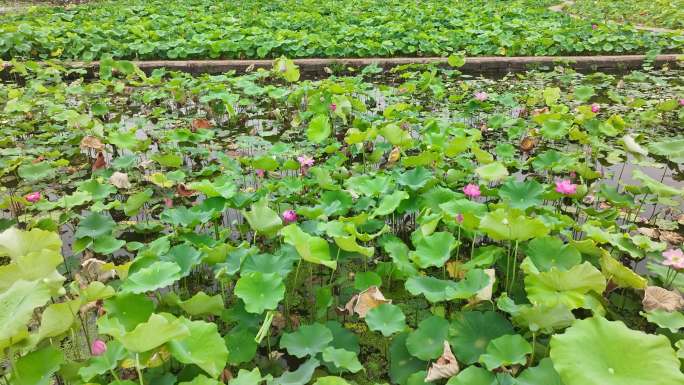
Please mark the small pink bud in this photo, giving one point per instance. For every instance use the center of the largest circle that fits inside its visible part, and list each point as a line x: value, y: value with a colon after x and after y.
x: 681, y: 102
x: 595, y: 108
x: 594, y: 26
x: 459, y: 218
x: 98, y: 347
x: 260, y: 173
x: 33, y: 197
x: 290, y: 216
x: 333, y: 107
x: 481, y: 96
x: 168, y: 202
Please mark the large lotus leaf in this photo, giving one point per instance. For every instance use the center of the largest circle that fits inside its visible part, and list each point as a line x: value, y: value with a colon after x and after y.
x: 473, y: 375
x: 129, y: 309
x: 492, y: 172
x: 17, y: 305
x: 349, y: 243
x: 95, y: 225
x: 301, y: 376
x: 34, y: 265
x: 433, y: 250
x: 200, y: 379
x: 548, y: 252
x: 396, y: 136
x: 343, y: 338
x: 201, y: 303
x: 474, y: 281
x: 544, y: 318
x: 263, y: 219
x: 521, y: 195
x: 307, y: 340
x: 342, y: 359
x: 260, y: 291
x: 241, y: 345
x: 665, y: 319
x: 57, y: 319
x: 506, y: 350
x: 203, y: 347
x: 672, y: 149
x: 319, y: 128
x: 369, y: 185
x: 399, y: 252
x: 402, y: 363
x: 386, y: 318
x: 620, y: 274
x: 37, y: 368
x: 184, y: 256
x: 246, y: 377
x: 390, y: 202
x: 655, y: 186
x: 542, y: 374
x: 598, y: 351
x: 427, y: 341
x: 471, y: 332
x: 434, y: 289
x: 310, y: 248
x: 103, y: 363
x: 15, y: 243
x: 158, y: 330
x: 415, y: 179
x: 564, y: 287
x: 224, y: 186
x: 331, y: 380
x: 512, y: 225
x: 155, y: 276
x: 136, y: 201
x: 280, y: 262
x: 34, y: 172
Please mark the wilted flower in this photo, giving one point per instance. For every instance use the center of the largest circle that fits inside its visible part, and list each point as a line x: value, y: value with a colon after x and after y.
x: 566, y: 187
x: 333, y: 107
x: 481, y: 96
x: 98, y: 347
x: 33, y: 197
x: 595, y: 108
x: 674, y: 258
x: 290, y: 216
x: 472, y: 190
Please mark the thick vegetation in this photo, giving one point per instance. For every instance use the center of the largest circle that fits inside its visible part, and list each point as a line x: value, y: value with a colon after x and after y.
x: 180, y: 29
x: 171, y: 229
x: 653, y: 13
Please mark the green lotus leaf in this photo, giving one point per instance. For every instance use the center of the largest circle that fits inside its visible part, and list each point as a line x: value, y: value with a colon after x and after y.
x: 415, y: 179
x: 263, y: 219
x: 97, y: 190
x: 17, y: 305
x: 471, y: 332
x: 672, y: 149
x: 224, y: 186
x: 399, y: 252
x: 15, y: 243
x: 396, y: 136
x: 342, y: 359
x: 34, y: 172
x: 521, y: 195
x: 564, y: 287
x: 492, y: 172
x: 260, y: 291
x: 241, y: 345
x: 549, y: 252
x: 129, y: 309
x: 203, y: 346
x: 301, y: 376
x: 512, y: 225
x: 155, y: 276
x: 584, y: 93
x: 386, y: 318
x: 365, y: 279
x: 433, y: 250
x: 473, y: 375
x: 331, y: 380
x: 246, y: 377
x: 427, y: 341
x: 506, y: 350
x: 390, y: 202
x: 201, y: 379
x: 103, y: 363
x: 667, y: 320
x: 57, y: 319
x: 417, y: 378
x: 402, y: 363
x: 655, y: 186
x: 319, y: 128
x: 473, y: 281
x: 343, y: 338
x: 280, y: 262
x: 307, y: 340
x: 542, y: 374
x: 555, y: 128
x: 136, y: 201
x: 37, y: 367
x: 185, y: 256
x: 158, y: 330
x: 544, y: 319
x: 286, y: 68
x: 168, y: 160
x: 620, y: 274
x: 595, y: 350
x: 107, y: 244
x: 34, y: 265
x: 434, y: 289
x: 201, y: 304
x: 310, y: 248
x: 348, y: 243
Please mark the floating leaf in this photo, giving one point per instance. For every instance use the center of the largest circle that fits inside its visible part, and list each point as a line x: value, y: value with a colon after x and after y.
x: 259, y: 291
x: 342, y: 359
x: 427, y: 341
x: 506, y: 350
x: 386, y: 318
x: 472, y: 331
x: 307, y: 340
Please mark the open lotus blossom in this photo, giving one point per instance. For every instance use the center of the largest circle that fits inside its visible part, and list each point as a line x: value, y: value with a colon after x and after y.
x: 472, y: 190
x: 260, y: 173
x: 481, y: 96
x: 674, y: 258
x: 681, y: 102
x: 290, y: 216
x: 98, y: 347
x: 333, y: 107
x: 33, y: 197
x: 305, y: 162
x: 595, y: 108
x: 565, y: 187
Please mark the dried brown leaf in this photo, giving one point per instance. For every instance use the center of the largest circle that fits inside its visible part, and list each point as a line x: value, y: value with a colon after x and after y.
x: 446, y: 366
x: 657, y: 298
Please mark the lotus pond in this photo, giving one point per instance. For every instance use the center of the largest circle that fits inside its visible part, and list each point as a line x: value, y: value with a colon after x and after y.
x: 407, y: 227
x: 248, y: 29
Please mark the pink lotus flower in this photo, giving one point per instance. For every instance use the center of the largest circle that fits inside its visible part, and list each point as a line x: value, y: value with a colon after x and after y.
x: 594, y: 26
x: 33, y: 197
x: 168, y: 202
x: 681, y: 102
x: 98, y: 347
x: 459, y: 218
x: 595, y: 108
x: 305, y: 163
x: 290, y: 216
x: 674, y: 258
x: 472, y: 190
x: 333, y: 107
x: 566, y: 187
x: 260, y: 173
x: 481, y: 96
